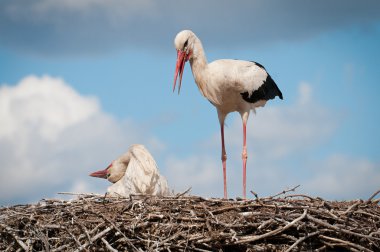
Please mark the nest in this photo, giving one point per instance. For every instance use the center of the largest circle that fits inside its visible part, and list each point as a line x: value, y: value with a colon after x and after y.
x: 284, y: 222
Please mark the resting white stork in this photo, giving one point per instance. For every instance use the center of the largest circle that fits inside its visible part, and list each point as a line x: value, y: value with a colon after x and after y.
x: 230, y: 85
x: 135, y: 172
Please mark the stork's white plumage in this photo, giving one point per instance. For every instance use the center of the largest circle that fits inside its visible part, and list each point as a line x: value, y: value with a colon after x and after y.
x: 230, y: 85
x: 135, y: 172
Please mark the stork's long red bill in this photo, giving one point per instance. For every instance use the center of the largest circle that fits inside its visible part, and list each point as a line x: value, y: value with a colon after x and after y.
x: 101, y: 174
x: 180, y: 65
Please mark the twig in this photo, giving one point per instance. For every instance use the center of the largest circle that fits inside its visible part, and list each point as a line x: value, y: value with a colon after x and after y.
x: 108, y: 246
x: 116, y: 228
x: 285, y: 191
x: 255, y: 194
x: 322, y: 223
x: 210, y: 213
x: 299, y: 195
x: 373, y: 196
x: 80, y: 194
x: 265, y: 224
x: 301, y: 240
x: 44, y: 239
x: 21, y: 243
x: 352, y: 207
x: 62, y: 248
x: 234, y: 207
x: 85, y: 231
x: 345, y: 242
x: 97, y: 236
x: 183, y: 193
x: 271, y: 233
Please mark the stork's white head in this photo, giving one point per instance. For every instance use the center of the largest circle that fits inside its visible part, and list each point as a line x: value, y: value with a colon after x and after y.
x: 184, y: 44
x: 114, y: 172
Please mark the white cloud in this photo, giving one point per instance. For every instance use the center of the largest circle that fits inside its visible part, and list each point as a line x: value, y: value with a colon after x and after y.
x: 45, y: 104
x: 200, y: 172
x: 51, y: 138
x: 305, y: 94
x: 341, y: 176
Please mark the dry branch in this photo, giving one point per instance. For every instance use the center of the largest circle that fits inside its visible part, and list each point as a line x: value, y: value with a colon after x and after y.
x: 177, y: 223
x: 273, y: 232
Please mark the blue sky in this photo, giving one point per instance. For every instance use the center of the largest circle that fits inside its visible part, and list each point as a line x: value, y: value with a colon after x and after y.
x: 82, y: 80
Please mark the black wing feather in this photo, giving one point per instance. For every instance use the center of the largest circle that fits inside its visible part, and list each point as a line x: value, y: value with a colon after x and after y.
x: 267, y: 91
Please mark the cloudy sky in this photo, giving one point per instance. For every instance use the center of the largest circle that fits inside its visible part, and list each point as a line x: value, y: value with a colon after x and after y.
x: 80, y: 81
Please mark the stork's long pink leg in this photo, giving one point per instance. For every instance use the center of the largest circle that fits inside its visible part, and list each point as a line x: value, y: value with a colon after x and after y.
x: 244, y: 157
x: 224, y: 159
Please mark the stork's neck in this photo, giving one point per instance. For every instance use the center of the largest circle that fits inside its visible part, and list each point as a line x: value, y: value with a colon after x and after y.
x: 198, y: 64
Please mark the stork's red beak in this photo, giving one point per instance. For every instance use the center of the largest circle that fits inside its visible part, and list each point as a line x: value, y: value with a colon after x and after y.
x: 101, y: 174
x: 182, y: 57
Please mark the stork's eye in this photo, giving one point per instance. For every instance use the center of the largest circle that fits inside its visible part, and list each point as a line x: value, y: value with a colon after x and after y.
x: 185, y: 44
x: 108, y: 175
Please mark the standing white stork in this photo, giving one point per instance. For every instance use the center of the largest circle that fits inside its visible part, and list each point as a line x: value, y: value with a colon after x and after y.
x: 135, y: 172
x: 230, y: 85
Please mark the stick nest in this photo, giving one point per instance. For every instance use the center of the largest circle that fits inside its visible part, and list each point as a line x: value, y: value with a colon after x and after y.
x: 177, y: 223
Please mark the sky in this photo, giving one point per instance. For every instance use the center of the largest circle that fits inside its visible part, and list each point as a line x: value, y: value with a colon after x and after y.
x: 80, y: 81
